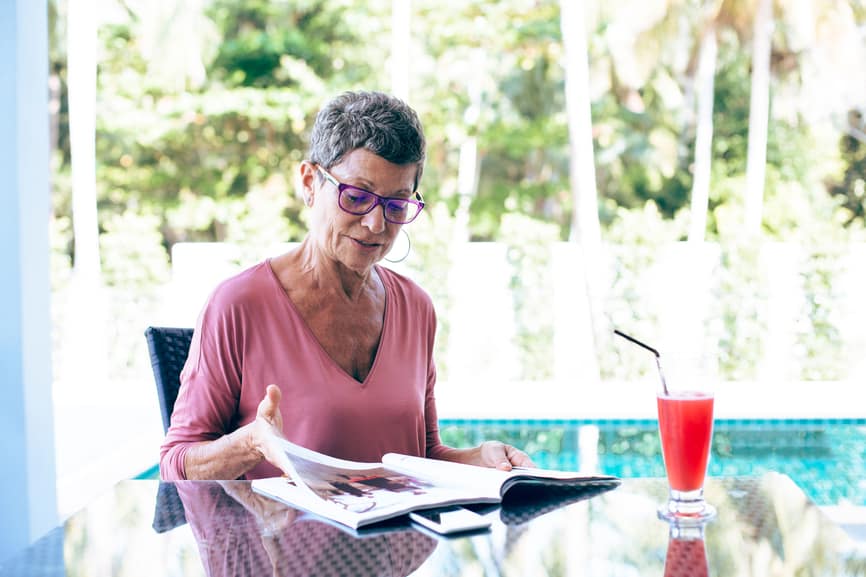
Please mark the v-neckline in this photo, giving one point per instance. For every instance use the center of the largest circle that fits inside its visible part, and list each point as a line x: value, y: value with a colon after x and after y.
x: 312, y: 336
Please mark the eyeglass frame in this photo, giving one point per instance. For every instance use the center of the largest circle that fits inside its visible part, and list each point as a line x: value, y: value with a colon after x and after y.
x: 380, y: 200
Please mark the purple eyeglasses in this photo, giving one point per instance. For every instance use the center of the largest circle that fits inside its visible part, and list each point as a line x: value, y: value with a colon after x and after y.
x: 358, y: 201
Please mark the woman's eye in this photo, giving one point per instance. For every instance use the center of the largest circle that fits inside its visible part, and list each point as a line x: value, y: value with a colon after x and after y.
x: 357, y: 197
x: 396, y: 207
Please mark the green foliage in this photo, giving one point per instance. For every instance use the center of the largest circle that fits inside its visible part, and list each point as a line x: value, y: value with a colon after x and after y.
x: 851, y: 188
x: 132, y: 253
x: 181, y: 148
x: 731, y: 108
x: 741, y: 302
x: 821, y: 350
x: 260, y: 36
x: 429, y: 263
x: 633, y: 242
x: 205, y: 147
x: 60, y: 224
x: 529, y: 254
x: 497, y: 77
x: 219, y: 145
x: 639, y: 157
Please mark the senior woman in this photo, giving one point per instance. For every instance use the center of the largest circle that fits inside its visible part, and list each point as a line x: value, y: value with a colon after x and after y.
x: 321, y: 345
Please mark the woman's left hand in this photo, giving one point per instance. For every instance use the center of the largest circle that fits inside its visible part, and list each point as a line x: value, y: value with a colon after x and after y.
x: 502, y: 456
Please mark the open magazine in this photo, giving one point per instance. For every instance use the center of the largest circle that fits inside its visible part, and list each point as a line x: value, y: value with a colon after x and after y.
x: 357, y: 494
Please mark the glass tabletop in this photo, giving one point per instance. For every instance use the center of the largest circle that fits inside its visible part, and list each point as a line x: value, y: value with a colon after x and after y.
x: 765, y: 526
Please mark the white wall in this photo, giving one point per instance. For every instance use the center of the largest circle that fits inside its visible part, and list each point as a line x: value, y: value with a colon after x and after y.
x: 679, y: 290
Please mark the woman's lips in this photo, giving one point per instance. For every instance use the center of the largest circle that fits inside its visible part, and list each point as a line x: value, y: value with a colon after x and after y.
x: 366, y: 244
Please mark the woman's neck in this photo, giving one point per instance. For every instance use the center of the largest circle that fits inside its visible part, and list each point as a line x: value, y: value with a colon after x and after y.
x: 322, y: 272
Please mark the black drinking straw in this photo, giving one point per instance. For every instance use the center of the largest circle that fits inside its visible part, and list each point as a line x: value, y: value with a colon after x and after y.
x: 650, y: 349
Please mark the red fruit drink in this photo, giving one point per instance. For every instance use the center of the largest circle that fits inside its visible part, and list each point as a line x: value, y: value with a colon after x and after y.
x: 686, y: 428
x: 686, y: 558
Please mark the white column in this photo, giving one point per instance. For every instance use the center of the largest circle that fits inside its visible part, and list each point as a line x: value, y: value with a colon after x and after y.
x: 27, y: 486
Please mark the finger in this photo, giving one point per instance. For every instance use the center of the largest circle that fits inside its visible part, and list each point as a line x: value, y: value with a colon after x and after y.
x: 499, y: 456
x: 519, y: 458
x: 278, y: 458
x: 270, y: 403
x: 274, y: 393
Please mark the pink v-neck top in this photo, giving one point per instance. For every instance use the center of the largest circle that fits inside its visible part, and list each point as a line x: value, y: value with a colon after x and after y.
x: 250, y: 335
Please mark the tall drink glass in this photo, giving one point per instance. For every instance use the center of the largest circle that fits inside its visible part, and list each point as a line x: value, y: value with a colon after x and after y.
x: 687, y: 553
x: 685, y: 410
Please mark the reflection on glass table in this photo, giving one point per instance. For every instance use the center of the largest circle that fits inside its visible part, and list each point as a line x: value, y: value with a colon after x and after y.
x: 765, y: 526
x: 687, y: 552
x: 255, y: 535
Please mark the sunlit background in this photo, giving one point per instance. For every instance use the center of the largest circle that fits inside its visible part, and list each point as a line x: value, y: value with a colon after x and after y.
x: 689, y: 171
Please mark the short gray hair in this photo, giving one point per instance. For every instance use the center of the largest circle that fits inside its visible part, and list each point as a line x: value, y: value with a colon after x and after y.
x: 375, y: 121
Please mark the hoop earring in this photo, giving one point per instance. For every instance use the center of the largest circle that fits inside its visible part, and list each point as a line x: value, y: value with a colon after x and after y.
x: 408, y: 249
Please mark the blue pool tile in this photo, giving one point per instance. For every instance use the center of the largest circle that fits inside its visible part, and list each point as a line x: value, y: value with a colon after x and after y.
x: 825, y: 457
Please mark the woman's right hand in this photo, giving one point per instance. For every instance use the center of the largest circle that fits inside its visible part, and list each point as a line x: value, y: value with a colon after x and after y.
x: 266, y: 431
x: 232, y: 455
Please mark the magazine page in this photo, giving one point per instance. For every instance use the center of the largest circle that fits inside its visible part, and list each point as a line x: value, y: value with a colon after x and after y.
x: 483, y: 482
x: 354, y: 493
x: 356, y: 502
x: 357, y: 486
x: 295, y: 452
x: 486, y: 481
x: 526, y: 476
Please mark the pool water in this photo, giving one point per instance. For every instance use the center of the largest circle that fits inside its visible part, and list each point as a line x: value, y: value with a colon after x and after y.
x: 824, y: 457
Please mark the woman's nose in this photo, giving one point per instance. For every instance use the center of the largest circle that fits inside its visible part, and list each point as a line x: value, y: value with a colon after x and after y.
x: 375, y: 219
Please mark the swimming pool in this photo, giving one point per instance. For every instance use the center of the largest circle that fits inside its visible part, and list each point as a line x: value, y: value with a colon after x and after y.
x: 824, y: 457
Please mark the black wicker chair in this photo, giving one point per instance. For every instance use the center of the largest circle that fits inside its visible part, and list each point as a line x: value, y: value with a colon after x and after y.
x: 169, y: 348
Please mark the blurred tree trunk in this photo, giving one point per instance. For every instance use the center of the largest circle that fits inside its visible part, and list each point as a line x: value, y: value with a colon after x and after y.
x: 759, y: 110
x: 83, y: 330
x: 468, y: 165
x: 401, y: 21
x: 81, y: 82
x: 585, y: 227
x: 173, y: 35
x: 705, y: 77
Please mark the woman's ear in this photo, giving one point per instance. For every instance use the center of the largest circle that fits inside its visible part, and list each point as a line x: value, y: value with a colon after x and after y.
x: 307, y: 179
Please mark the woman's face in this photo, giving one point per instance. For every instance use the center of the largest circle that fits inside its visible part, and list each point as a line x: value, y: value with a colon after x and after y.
x: 355, y: 241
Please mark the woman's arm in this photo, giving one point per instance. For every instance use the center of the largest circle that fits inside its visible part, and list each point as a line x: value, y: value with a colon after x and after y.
x: 487, y: 454
x: 235, y: 453
x: 206, y: 439
x: 228, y: 457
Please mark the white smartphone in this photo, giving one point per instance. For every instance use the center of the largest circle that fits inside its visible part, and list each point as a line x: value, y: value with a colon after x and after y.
x: 452, y: 519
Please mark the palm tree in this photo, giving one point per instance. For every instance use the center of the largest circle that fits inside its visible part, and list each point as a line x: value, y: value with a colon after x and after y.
x: 813, y: 29
x: 759, y: 110
x: 641, y: 47
x: 585, y: 227
x: 705, y: 80
x: 81, y: 64
x: 401, y: 20
x: 82, y: 332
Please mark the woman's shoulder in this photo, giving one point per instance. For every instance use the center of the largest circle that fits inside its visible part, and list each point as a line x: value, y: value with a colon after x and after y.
x: 403, y: 285
x: 249, y: 285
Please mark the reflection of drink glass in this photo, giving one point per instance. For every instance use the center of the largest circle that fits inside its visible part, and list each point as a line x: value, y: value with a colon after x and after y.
x: 685, y: 412
x: 687, y: 555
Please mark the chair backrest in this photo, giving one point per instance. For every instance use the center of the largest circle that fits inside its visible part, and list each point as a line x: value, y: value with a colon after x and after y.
x: 169, y: 347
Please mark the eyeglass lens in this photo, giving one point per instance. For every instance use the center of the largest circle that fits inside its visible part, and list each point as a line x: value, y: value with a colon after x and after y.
x: 359, y: 201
